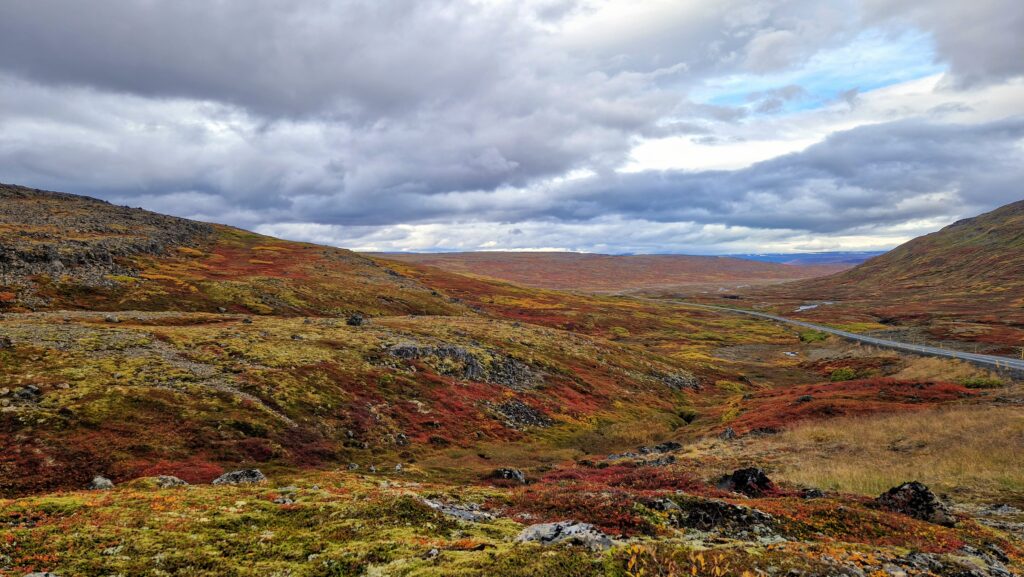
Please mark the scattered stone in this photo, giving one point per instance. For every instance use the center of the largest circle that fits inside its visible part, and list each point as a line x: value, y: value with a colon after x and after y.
x: 41, y: 574
x: 168, y: 481
x: 373, y: 468
x: 284, y: 500
x: 356, y: 320
x: 353, y: 466
x: 680, y: 381
x: 804, y: 399
x: 571, y: 532
x: 246, y: 321
x: 398, y: 468
x: 111, y: 319
x: 402, y: 440
x: 751, y: 481
x: 499, y: 368
x: 296, y: 337
x: 466, y: 512
x: 28, y: 393
x: 6, y: 343
x: 811, y: 493
x: 100, y: 483
x: 728, y: 434
x: 506, y: 474
x: 519, y: 415
x: 917, y: 501
x: 222, y: 310
x: 242, y: 477
x: 666, y: 447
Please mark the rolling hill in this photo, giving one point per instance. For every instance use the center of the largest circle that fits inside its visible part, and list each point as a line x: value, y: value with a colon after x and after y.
x: 613, y: 273
x: 963, y: 283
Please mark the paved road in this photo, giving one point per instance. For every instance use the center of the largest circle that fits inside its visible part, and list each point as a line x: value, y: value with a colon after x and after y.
x: 991, y: 361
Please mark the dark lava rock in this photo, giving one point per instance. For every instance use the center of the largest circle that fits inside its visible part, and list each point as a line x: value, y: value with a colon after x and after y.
x: 246, y: 321
x: 811, y: 493
x: 713, y: 515
x: 752, y: 482
x: 917, y: 501
x: 242, y: 477
x: 168, y: 481
x: 296, y: 337
x: 100, y: 483
x: 804, y: 399
x: 356, y: 320
x: 506, y: 474
x: 28, y: 393
x: 666, y: 447
x: 518, y: 415
x: 571, y: 532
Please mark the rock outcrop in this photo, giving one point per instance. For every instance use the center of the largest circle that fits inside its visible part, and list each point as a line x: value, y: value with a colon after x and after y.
x: 570, y: 532
x: 917, y: 501
x: 242, y: 477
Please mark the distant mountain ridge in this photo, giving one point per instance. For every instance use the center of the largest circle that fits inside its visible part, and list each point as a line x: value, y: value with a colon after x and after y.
x: 612, y: 273
x: 814, y: 258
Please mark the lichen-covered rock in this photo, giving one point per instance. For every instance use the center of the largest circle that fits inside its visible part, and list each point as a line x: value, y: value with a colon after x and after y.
x: 751, y: 481
x: 917, y: 501
x: 680, y: 381
x: 100, y: 483
x: 242, y: 477
x: 465, y: 512
x: 570, y: 532
x: 168, y: 481
x: 485, y: 366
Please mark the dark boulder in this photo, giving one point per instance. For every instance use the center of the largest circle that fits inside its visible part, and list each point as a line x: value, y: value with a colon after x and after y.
x: 510, y: 475
x: 917, y: 501
x: 752, y: 482
x: 356, y: 320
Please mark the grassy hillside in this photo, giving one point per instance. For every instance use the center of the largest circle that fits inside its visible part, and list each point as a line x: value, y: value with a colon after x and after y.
x: 607, y: 273
x: 961, y: 287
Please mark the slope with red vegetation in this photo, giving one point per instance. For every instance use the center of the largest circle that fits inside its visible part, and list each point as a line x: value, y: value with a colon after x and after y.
x: 610, y: 273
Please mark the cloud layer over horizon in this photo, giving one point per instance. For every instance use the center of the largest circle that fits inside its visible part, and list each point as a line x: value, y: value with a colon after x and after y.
x: 608, y: 126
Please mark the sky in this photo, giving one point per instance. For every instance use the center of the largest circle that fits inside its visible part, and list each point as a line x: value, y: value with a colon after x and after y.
x: 615, y: 126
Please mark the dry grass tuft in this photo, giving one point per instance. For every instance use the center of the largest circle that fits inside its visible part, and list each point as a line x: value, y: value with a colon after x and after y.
x: 948, y: 449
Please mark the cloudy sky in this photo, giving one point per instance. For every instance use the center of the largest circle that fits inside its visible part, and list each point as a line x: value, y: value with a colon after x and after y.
x: 702, y: 126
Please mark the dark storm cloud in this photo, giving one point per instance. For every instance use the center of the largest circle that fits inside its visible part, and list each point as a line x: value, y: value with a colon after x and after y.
x: 382, y: 112
x: 872, y: 175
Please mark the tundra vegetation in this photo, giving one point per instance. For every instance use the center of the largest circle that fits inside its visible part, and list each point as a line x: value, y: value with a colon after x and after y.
x: 363, y: 416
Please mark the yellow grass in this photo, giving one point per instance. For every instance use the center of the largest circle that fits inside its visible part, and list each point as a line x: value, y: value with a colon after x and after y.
x: 970, y: 448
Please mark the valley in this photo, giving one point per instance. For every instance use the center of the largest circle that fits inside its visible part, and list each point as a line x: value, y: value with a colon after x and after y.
x: 409, y: 419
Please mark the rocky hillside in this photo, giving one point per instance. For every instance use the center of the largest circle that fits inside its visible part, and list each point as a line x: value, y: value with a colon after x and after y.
x: 608, y: 273
x: 62, y: 251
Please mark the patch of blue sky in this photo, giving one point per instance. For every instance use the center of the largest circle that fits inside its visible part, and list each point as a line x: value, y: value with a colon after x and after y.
x: 872, y: 60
